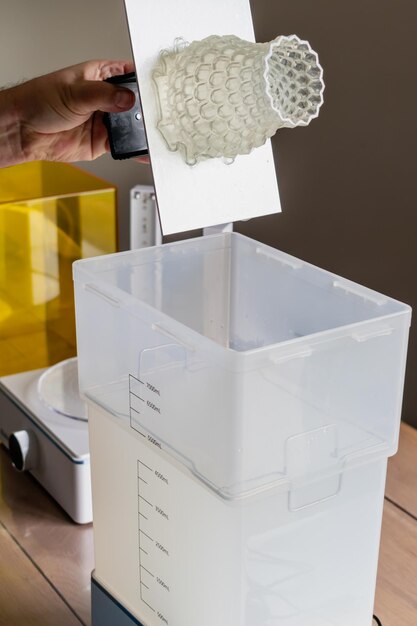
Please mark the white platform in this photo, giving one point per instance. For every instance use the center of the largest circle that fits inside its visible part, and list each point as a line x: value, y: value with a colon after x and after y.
x: 62, y: 450
x: 210, y: 193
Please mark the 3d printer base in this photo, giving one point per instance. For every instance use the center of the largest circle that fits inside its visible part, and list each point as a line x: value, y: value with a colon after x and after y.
x: 106, y: 611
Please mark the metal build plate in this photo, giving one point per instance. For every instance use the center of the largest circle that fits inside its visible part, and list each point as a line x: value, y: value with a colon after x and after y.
x: 210, y: 193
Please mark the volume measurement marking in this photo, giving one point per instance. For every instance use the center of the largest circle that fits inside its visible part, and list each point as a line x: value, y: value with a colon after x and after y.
x: 161, y: 477
x: 162, y: 583
x: 133, y: 420
x: 162, y: 512
x: 142, y: 533
x: 147, y: 466
x: 137, y: 379
x: 162, y: 548
x: 145, y: 500
x: 153, y: 406
x: 153, y: 389
x: 146, y: 535
x: 151, y: 607
x: 146, y: 570
x: 153, y: 585
x: 155, y: 442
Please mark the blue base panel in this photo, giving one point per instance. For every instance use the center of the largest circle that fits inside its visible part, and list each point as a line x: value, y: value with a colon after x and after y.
x: 106, y: 611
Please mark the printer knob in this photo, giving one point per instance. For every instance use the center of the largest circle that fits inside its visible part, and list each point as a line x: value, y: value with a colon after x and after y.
x: 23, y: 449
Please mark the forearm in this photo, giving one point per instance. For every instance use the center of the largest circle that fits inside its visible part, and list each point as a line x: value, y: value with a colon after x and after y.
x: 11, y: 151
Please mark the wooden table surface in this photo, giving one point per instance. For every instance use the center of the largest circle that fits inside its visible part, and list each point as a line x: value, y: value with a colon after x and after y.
x: 46, y: 560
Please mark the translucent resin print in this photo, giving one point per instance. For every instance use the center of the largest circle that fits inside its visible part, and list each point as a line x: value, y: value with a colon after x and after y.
x: 223, y: 96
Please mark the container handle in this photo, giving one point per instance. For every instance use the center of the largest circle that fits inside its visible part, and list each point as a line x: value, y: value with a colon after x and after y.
x: 360, y: 292
x: 301, y: 354
x: 101, y: 294
x: 172, y: 335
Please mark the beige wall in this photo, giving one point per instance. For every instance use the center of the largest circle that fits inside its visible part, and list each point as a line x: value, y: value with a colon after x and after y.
x: 348, y: 182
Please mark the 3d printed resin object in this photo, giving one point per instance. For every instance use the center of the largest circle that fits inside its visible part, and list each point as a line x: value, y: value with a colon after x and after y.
x: 222, y: 96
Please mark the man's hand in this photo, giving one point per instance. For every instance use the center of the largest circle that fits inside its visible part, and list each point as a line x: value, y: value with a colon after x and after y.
x: 59, y: 116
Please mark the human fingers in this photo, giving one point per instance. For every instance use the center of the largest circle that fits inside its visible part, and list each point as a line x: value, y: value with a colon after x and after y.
x: 99, y: 137
x: 85, y: 97
x: 144, y: 160
x: 99, y: 69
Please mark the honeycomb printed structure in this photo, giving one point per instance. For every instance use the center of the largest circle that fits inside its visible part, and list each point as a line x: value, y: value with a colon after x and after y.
x: 294, y: 81
x: 223, y: 96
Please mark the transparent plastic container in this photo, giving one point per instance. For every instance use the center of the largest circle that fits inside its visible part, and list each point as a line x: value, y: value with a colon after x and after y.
x: 277, y: 387
x: 268, y: 367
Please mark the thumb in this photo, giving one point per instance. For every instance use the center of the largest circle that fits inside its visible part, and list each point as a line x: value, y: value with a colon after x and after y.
x: 89, y: 96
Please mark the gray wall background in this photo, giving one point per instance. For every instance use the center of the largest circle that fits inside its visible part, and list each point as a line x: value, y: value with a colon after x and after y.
x: 347, y: 182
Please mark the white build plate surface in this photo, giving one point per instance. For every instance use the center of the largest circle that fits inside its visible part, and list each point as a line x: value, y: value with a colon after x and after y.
x: 62, y: 455
x: 69, y: 434
x: 211, y: 192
